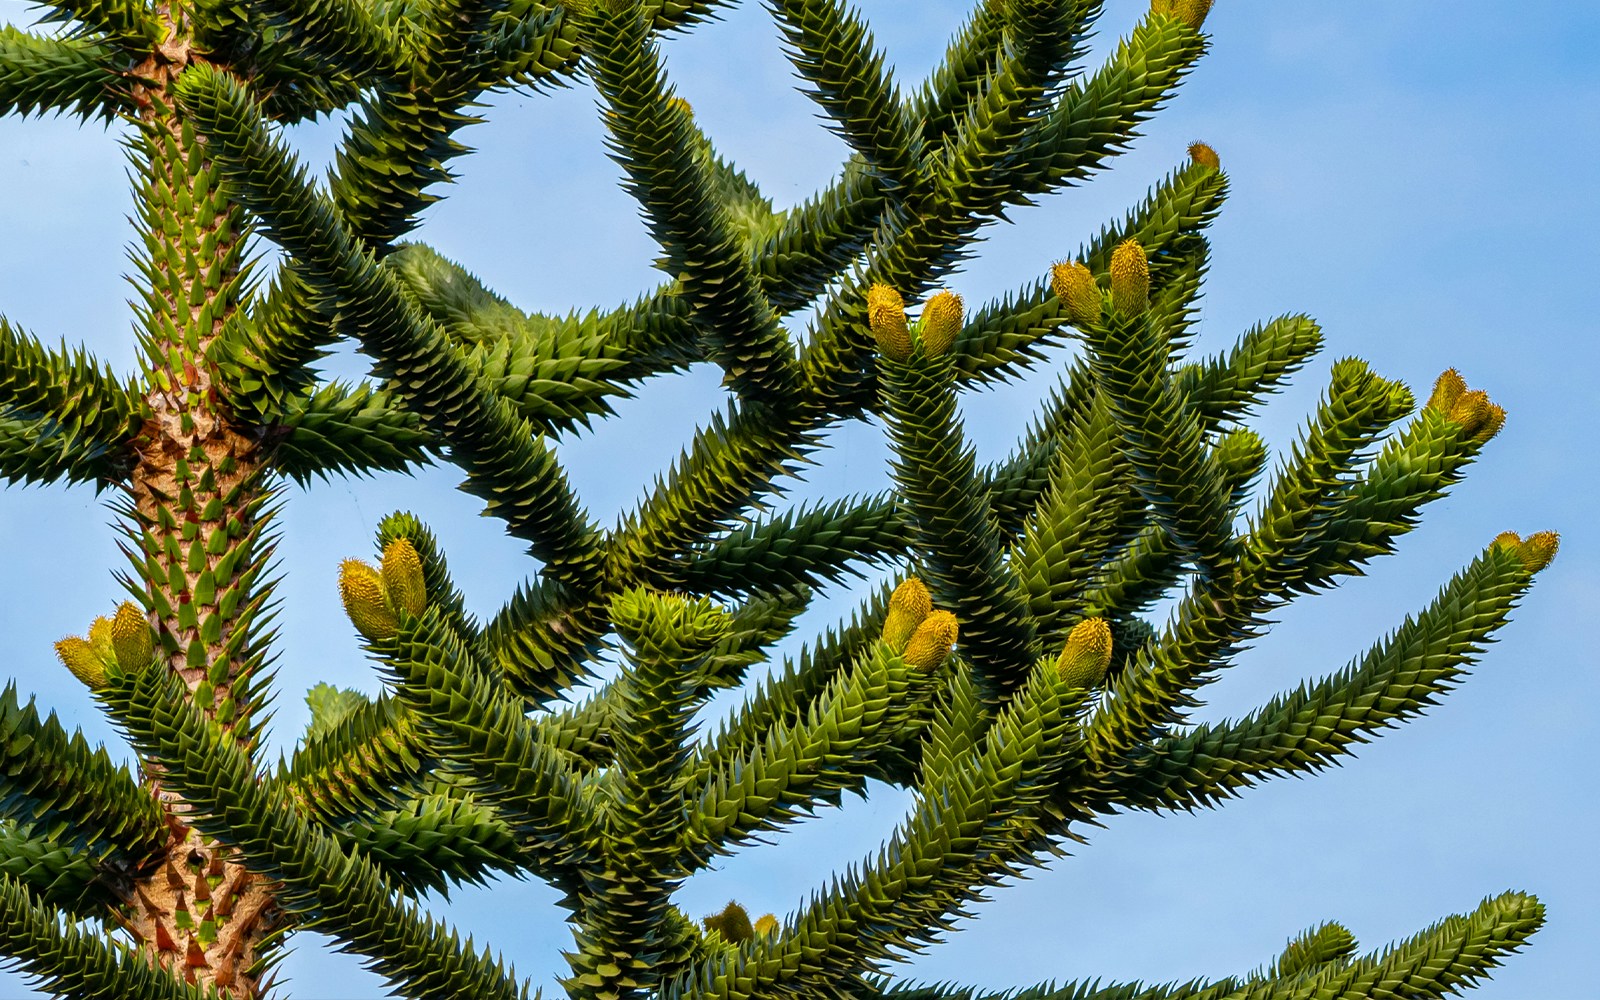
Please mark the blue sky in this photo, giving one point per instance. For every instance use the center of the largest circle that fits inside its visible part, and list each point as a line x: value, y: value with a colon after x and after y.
x: 1420, y: 178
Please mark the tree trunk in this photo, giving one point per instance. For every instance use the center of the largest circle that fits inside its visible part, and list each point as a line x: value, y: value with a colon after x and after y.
x: 199, y: 505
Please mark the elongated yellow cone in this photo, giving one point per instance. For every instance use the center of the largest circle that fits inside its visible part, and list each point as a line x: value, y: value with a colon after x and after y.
x: 1074, y: 285
x: 1494, y: 418
x: 1479, y: 417
x: 1447, y: 388
x: 361, y: 590
x: 100, y: 638
x: 1470, y: 409
x: 733, y: 923
x: 402, y: 577
x: 941, y: 322
x: 1204, y: 155
x: 1130, y: 278
x: 1086, y: 657
x: 886, y: 315
x: 1539, y: 550
x: 78, y: 656
x: 1192, y: 12
x: 931, y: 643
x: 767, y: 925
x: 131, y: 638
x: 908, y: 606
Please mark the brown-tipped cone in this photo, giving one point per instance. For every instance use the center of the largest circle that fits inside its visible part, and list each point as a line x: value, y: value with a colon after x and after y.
x: 931, y: 643
x: 1074, y: 285
x: 131, y: 638
x: 402, y: 577
x: 1086, y: 657
x: 1203, y: 155
x: 1539, y: 549
x: 767, y: 925
x: 1447, y: 388
x: 941, y: 322
x: 79, y: 657
x: 733, y: 923
x: 1130, y: 277
x: 361, y: 590
x: 886, y: 315
x: 908, y: 606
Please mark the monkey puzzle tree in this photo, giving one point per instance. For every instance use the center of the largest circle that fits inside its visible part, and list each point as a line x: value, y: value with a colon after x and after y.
x: 1058, y: 704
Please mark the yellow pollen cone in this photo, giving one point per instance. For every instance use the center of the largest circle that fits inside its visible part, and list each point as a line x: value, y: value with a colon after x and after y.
x: 1074, y: 286
x: 733, y: 923
x: 886, y: 314
x: 79, y: 657
x: 361, y: 590
x: 1191, y: 12
x: 1539, y: 549
x: 1086, y: 657
x: 131, y: 638
x: 1130, y: 277
x: 1507, y: 540
x: 402, y: 577
x: 931, y: 643
x: 1470, y: 410
x: 1204, y: 155
x: 1494, y: 418
x: 941, y: 322
x: 100, y: 638
x: 766, y: 925
x: 1448, y: 388
x: 908, y: 606
x: 680, y: 104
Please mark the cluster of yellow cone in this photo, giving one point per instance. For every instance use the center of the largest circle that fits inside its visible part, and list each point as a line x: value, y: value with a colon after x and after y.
x: 924, y: 637
x: 1536, y: 551
x: 1073, y: 283
x: 921, y: 635
x: 1471, y: 408
x: 734, y: 924
x: 375, y: 597
x: 936, y: 329
x: 124, y: 640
